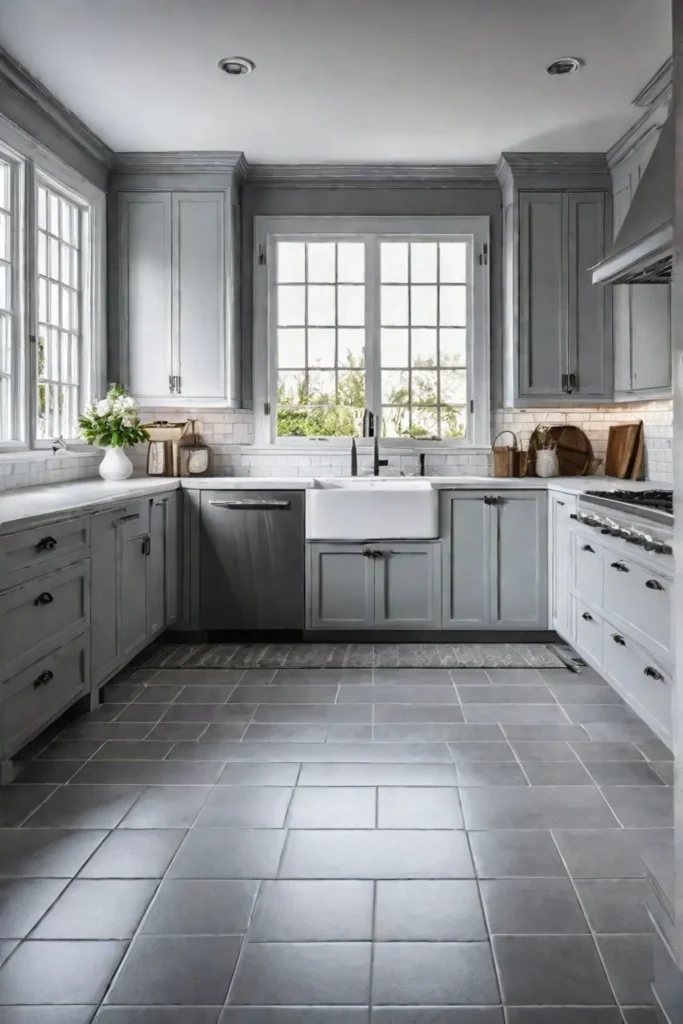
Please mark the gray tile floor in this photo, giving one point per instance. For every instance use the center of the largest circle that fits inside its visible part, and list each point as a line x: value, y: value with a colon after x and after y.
x: 340, y: 846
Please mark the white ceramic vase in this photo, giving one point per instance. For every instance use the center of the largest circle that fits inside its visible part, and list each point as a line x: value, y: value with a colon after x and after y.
x: 115, y: 465
x: 546, y: 462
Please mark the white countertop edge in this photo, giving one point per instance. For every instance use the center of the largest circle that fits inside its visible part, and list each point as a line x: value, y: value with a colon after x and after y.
x: 28, y: 506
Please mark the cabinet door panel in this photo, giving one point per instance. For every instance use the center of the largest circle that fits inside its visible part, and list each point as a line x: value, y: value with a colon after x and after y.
x: 651, y: 364
x: 162, y: 563
x: 133, y: 591
x: 466, y: 560
x: 543, y: 295
x: 145, y: 291
x: 104, y: 631
x: 589, y: 316
x: 341, y: 589
x: 560, y: 508
x: 199, y: 292
x: 519, y: 553
x: 407, y: 587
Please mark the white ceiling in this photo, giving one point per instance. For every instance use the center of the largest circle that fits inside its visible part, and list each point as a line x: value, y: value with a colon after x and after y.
x: 344, y: 80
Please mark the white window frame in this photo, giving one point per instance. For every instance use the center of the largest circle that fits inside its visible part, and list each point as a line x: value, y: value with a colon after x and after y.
x: 268, y: 231
x: 38, y: 164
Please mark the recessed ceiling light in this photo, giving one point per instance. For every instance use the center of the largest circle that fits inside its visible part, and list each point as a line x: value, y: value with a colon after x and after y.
x: 236, y: 65
x: 564, y: 66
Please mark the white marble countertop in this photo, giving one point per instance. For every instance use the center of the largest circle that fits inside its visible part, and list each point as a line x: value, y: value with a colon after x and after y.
x: 32, y: 505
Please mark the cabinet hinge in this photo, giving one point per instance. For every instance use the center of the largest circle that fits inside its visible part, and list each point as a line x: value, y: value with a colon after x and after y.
x: 471, y: 405
x: 178, y: 385
x: 261, y: 255
x: 171, y: 384
x: 266, y: 408
x: 484, y: 255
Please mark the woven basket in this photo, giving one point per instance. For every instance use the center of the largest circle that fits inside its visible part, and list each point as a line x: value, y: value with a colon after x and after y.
x: 505, y: 457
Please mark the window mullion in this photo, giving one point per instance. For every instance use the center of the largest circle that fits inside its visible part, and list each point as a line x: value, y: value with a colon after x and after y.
x: 373, y: 360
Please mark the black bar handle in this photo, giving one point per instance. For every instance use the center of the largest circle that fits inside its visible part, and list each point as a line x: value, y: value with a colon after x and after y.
x: 620, y: 567
x: 618, y: 639
x: 573, y: 515
x: 367, y: 553
x: 253, y: 505
x: 565, y: 382
x: 587, y: 547
x: 44, y: 599
x: 653, y: 585
x: 46, y: 544
x: 43, y: 679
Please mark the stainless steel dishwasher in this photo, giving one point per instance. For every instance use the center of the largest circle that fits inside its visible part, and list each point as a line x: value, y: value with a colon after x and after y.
x: 252, y: 560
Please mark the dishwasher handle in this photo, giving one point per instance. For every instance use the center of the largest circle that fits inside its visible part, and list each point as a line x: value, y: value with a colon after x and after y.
x: 254, y: 505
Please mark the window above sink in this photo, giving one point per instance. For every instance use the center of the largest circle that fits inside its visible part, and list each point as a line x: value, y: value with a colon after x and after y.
x: 389, y: 314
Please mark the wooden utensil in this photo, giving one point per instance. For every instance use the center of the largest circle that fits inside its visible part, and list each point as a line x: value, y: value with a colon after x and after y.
x: 638, y: 467
x: 622, y: 449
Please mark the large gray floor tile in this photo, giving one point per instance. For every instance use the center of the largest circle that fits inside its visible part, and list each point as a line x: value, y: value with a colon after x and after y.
x: 413, y: 676
x: 303, y: 974
x: 557, y: 773
x: 623, y: 773
x: 410, y: 807
x: 148, y: 773
x: 268, y: 774
x: 177, y: 731
x: 514, y: 676
x: 229, y: 853
x: 134, y: 853
x: 290, y: 694
x: 378, y: 775
x: 342, y: 733
x: 46, y: 853
x: 477, y: 751
x: 628, y: 960
x: 379, y: 854
x: 133, y: 750
x: 320, y: 714
x: 167, y: 970
x: 654, y: 750
x: 48, y: 1014
x: 295, y: 1015
x: 577, y: 693
x: 584, y: 713
x: 551, y: 970
x: 318, y: 676
x: 158, y: 1015
x: 162, y: 693
x: 269, y: 732
x: 229, y: 715
x: 47, y: 772
x: 547, y: 733
x: 70, y: 750
x: 85, y: 807
x: 608, y: 854
x: 245, y: 807
x: 425, y: 733
x: 312, y: 753
x: 490, y: 773
x: 532, y: 906
x: 18, y: 802
x: 423, y: 714
x: 437, y: 1015
x: 59, y: 972
x: 543, y: 750
x: 333, y: 807
x: 313, y: 911
x: 201, y: 907
x: 202, y: 694
x: 641, y: 806
x: 434, y: 973
x: 97, y: 909
x: 615, y: 905
x: 23, y: 901
x: 606, y: 751
x: 536, y: 807
x: 388, y: 694
x: 564, y: 1015
x: 495, y: 694
x: 167, y: 807
x: 428, y: 911
x: 515, y: 714
x: 516, y: 855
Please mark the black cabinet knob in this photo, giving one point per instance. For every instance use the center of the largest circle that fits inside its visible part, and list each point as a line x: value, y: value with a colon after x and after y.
x: 46, y: 544
x: 587, y: 547
x: 44, y: 599
x: 653, y: 673
x: 653, y: 585
x: 587, y: 616
x: 618, y: 639
x: 620, y: 567
x: 43, y: 679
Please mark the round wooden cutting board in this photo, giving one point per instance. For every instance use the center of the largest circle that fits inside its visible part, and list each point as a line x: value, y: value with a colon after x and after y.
x: 574, y: 450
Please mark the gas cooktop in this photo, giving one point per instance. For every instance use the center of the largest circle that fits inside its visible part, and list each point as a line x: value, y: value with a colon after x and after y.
x: 656, y: 505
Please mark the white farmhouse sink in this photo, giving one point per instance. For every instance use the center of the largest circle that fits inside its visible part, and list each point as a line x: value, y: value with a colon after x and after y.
x: 374, y: 508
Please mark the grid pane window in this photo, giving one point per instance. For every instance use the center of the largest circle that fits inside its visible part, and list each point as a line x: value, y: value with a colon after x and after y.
x: 59, y: 335
x: 321, y: 338
x: 8, y: 323
x: 423, y: 338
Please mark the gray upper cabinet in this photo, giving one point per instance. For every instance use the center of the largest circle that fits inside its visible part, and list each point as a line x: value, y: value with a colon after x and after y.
x: 557, y: 325
x: 642, y: 313
x: 174, y: 297
x: 494, y: 560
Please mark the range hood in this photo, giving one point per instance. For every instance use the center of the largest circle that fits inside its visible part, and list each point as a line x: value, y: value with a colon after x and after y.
x: 643, y: 250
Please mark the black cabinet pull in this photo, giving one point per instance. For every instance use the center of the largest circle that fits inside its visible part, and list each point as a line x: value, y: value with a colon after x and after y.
x: 653, y: 585
x: 653, y: 673
x: 573, y: 515
x: 620, y: 567
x: 618, y: 639
x: 46, y: 544
x: 378, y: 554
x: 491, y: 499
x: 573, y: 383
x: 146, y: 545
x: 368, y: 553
x: 565, y: 382
x: 587, y: 547
x: 44, y: 599
x: 43, y: 679
x: 129, y: 518
x: 561, y: 503
x: 587, y: 616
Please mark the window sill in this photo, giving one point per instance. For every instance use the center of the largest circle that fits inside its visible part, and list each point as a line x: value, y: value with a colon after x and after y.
x: 43, y: 454
x: 364, y: 446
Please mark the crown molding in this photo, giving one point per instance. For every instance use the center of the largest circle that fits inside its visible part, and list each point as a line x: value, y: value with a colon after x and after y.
x: 552, y: 171
x: 647, y: 124
x: 16, y: 77
x: 372, y: 176
x: 183, y: 162
x: 658, y: 90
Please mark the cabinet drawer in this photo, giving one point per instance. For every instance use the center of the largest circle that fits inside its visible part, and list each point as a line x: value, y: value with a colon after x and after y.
x: 588, y: 569
x: 639, y: 599
x: 589, y: 629
x: 31, y: 700
x: 644, y: 682
x: 40, y: 616
x: 31, y: 553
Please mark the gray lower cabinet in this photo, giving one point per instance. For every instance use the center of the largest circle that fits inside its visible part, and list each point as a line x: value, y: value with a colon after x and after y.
x: 162, y: 567
x: 134, y: 586
x: 251, y: 560
x: 494, y: 559
x: 374, y: 586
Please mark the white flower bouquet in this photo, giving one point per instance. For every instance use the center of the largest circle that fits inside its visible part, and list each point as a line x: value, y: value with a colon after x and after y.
x: 114, y: 421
